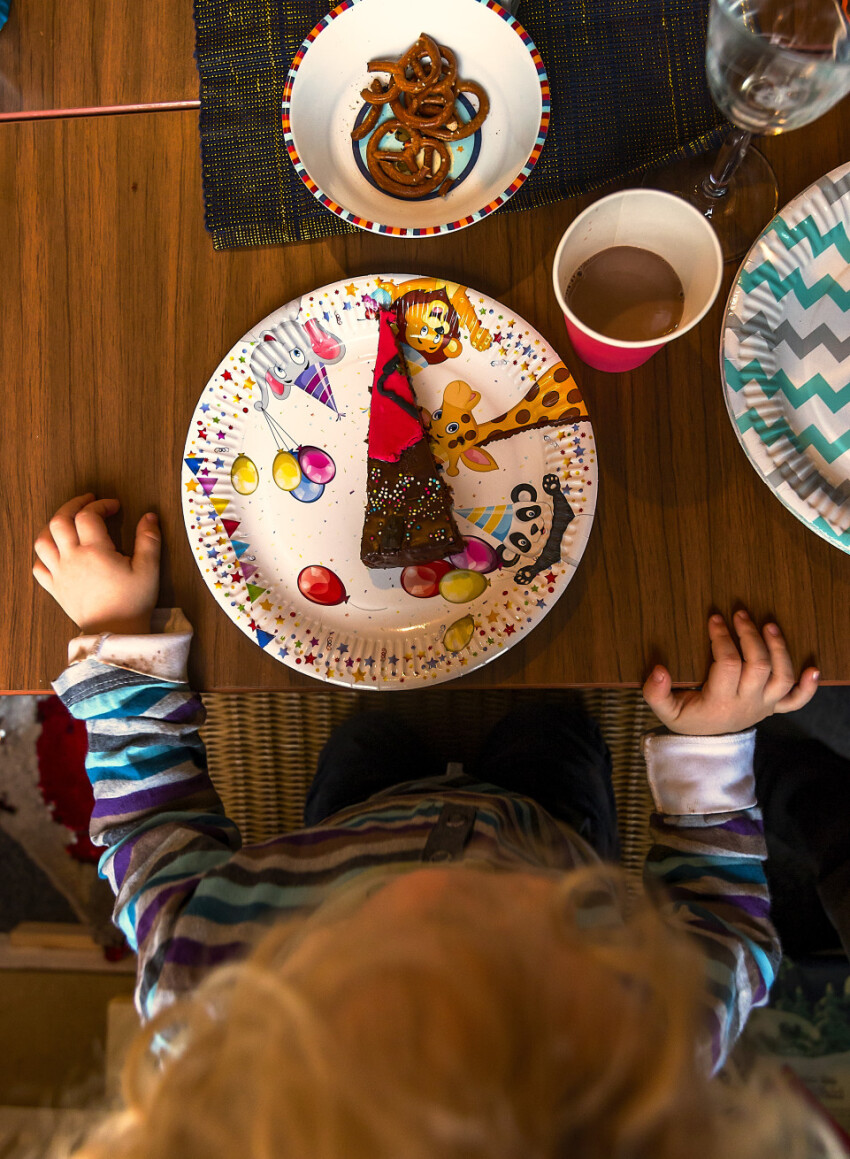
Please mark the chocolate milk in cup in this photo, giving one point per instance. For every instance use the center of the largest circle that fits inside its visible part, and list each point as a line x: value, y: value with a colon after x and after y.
x: 633, y: 220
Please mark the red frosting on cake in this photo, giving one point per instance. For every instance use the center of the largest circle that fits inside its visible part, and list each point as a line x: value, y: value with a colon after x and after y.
x: 394, y: 422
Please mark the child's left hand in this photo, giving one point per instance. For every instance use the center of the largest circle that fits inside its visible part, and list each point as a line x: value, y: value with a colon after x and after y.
x: 746, y: 682
x: 98, y: 587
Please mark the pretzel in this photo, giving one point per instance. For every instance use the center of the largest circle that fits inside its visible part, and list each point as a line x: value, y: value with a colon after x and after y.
x: 422, y: 92
x: 471, y: 126
x: 423, y: 49
x: 378, y: 94
x: 367, y: 124
x: 399, y: 172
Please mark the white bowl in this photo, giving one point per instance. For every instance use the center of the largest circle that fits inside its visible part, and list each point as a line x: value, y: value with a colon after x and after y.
x: 322, y: 99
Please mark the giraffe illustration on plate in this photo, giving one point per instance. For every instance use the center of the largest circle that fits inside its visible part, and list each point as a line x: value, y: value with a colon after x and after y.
x: 458, y: 437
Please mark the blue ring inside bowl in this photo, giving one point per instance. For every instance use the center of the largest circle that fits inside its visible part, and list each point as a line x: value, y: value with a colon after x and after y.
x: 464, y: 152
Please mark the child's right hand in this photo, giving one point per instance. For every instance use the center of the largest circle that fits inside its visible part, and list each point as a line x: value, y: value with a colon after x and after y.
x: 742, y: 687
x: 98, y: 587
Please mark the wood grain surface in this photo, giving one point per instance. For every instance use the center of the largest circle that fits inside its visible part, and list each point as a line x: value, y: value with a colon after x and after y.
x: 115, y: 310
x: 82, y: 53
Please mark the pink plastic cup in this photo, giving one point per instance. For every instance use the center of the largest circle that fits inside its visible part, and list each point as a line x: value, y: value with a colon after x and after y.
x: 651, y: 220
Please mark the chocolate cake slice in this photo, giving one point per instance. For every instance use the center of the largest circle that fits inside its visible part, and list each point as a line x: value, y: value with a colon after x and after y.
x: 408, y: 505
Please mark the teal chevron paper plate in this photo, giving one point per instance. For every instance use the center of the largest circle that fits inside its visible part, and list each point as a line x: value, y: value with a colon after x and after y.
x: 785, y: 356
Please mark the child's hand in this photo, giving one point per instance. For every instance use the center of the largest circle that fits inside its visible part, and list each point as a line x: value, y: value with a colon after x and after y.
x: 738, y: 693
x: 98, y: 587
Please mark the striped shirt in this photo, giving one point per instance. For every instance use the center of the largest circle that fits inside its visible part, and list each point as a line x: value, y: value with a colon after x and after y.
x: 189, y: 896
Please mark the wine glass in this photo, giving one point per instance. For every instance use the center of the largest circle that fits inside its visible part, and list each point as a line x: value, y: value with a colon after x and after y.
x: 772, y: 66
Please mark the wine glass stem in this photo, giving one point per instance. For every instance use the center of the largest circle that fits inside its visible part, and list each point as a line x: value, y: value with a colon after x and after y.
x: 727, y: 161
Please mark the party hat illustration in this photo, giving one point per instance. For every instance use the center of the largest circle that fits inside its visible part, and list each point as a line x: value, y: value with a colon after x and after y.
x: 495, y: 520
x: 314, y: 380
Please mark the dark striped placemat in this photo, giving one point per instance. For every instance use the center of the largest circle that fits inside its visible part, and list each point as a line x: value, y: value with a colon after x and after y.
x: 628, y: 92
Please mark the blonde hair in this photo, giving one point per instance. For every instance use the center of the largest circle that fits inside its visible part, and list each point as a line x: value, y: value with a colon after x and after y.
x: 532, y: 1033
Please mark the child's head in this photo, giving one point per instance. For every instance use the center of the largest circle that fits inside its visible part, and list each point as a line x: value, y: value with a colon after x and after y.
x: 440, y: 1014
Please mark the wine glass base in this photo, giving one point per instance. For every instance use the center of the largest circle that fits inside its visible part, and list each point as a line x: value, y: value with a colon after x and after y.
x: 741, y: 213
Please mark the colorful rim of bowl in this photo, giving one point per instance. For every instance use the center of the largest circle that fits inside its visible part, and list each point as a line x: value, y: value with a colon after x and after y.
x: 431, y: 230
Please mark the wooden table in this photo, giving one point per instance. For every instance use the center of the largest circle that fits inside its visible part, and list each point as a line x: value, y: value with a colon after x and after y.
x: 90, y: 53
x: 114, y: 311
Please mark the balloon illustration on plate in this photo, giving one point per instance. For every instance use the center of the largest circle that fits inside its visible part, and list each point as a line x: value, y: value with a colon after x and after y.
x: 458, y: 635
x: 316, y: 464
x: 462, y: 585
x: 458, y: 579
x: 477, y: 555
x: 244, y: 475
x: 320, y: 585
x: 307, y: 491
x: 286, y: 470
x: 422, y: 580
x: 302, y: 471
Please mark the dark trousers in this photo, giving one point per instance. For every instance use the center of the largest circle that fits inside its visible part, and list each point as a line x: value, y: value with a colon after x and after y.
x: 557, y: 757
x: 804, y: 792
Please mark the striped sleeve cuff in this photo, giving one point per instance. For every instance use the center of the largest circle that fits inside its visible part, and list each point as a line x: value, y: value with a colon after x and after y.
x: 162, y: 654
x: 700, y: 774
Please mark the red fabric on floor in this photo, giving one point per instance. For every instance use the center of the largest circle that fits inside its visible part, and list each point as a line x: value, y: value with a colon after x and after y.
x: 61, y: 749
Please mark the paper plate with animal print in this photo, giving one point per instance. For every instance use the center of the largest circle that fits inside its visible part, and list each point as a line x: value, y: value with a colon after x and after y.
x: 274, y: 483
x: 785, y: 354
